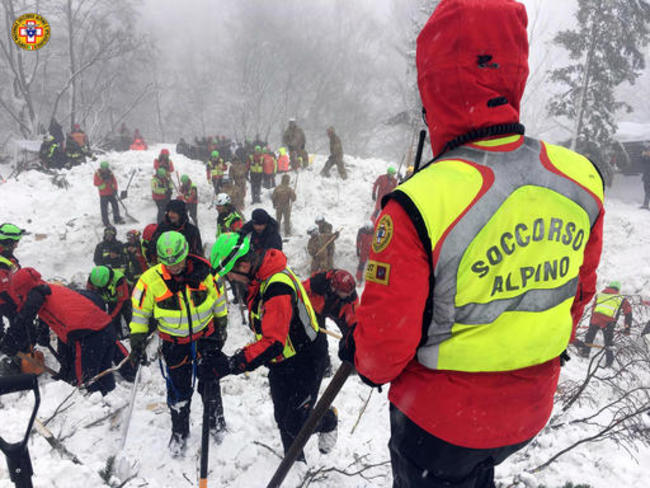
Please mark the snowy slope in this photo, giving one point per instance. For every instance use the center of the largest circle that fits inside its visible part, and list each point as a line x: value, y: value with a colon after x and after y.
x: 70, y: 222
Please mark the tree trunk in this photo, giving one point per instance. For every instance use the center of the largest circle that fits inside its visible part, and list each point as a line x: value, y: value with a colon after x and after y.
x: 72, y: 63
x: 586, y: 81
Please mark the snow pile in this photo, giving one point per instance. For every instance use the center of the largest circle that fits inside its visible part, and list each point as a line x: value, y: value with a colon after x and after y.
x: 64, y: 228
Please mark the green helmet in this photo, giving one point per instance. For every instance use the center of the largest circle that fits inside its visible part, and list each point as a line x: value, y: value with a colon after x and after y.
x: 228, y: 249
x: 258, y: 149
x: 282, y: 151
x: 161, y: 172
x: 103, y: 165
x: 172, y: 248
x: 185, y: 179
x: 214, y: 154
x: 100, y: 276
x: 391, y: 170
x: 10, y: 232
x: 615, y: 284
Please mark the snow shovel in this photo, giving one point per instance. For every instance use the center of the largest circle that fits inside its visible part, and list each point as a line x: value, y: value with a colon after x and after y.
x: 205, y: 435
x: 126, y: 212
x: 17, y: 455
x: 124, y: 193
x: 319, y: 410
x: 122, y: 464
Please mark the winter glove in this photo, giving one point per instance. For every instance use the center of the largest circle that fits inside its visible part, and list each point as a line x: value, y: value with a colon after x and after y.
x: 626, y: 331
x: 122, y: 194
x: 138, y: 345
x: 347, y: 347
x: 564, y: 358
x: 213, y: 366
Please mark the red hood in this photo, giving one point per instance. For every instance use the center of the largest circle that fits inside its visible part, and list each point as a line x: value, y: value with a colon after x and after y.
x: 22, y: 281
x: 273, y: 262
x: 471, y: 54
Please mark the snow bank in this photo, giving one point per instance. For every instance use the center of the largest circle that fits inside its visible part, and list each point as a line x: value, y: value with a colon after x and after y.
x: 64, y: 228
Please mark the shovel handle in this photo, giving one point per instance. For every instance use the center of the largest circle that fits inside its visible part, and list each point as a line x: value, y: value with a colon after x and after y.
x: 19, y: 382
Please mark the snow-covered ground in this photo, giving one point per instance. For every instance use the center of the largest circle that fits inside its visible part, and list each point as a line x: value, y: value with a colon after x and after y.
x: 64, y: 228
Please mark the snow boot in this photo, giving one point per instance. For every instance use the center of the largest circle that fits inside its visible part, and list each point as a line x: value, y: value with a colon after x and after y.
x: 327, y: 440
x: 177, y: 445
x: 218, y: 429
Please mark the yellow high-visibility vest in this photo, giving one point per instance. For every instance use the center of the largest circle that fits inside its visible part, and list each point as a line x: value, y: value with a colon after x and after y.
x: 507, y: 231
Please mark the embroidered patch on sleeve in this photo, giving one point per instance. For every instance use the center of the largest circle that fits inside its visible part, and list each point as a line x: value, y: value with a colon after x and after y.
x: 383, y: 234
x: 378, y: 272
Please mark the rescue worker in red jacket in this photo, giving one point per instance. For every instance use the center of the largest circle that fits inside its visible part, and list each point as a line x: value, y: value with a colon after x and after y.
x: 384, y: 184
x: 10, y: 236
x: 286, y: 329
x: 106, y: 183
x: 333, y: 295
x: 269, y: 168
x: 138, y: 143
x: 163, y: 161
x: 491, y: 253
x: 284, y: 161
x: 364, y: 240
x: 607, y: 309
x: 86, y: 339
x: 190, y: 195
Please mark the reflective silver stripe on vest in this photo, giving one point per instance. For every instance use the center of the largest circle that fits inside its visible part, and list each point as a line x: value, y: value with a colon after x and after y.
x: 506, y: 181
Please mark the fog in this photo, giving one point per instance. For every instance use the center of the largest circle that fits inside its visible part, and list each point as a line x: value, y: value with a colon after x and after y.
x: 244, y: 67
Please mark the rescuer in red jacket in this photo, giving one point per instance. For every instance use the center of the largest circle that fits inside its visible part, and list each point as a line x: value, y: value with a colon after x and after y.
x: 86, y: 340
x: 106, y: 183
x: 384, y: 184
x: 364, y: 240
x: 481, y: 264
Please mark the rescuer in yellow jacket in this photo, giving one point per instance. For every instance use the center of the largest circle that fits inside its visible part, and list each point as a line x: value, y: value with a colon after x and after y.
x: 183, y: 300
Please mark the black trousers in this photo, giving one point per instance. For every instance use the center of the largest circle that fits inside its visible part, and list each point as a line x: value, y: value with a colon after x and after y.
x: 162, y: 205
x: 85, y: 356
x: 191, y: 209
x: 268, y: 181
x: 180, y: 360
x: 421, y: 460
x: 103, y: 206
x: 256, y: 187
x: 294, y: 386
x: 608, y: 335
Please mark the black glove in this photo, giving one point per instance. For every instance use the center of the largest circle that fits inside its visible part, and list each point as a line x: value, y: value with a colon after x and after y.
x: 347, y: 347
x: 122, y: 194
x: 626, y: 331
x: 564, y: 358
x: 213, y: 366
x: 138, y: 345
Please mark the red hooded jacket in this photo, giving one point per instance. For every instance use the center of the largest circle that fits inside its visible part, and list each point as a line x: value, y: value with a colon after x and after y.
x: 472, y: 68
x: 110, y: 183
x: 64, y: 310
x: 278, y: 312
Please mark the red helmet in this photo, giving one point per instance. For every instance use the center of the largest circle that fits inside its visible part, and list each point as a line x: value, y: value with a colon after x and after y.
x: 76, y: 127
x: 164, y: 152
x: 133, y: 235
x: 343, y: 282
x: 148, y: 232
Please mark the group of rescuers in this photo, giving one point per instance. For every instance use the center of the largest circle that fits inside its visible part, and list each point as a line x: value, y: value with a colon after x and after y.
x: 481, y: 266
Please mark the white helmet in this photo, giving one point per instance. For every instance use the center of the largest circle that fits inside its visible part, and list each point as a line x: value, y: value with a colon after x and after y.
x: 312, y: 230
x: 223, y: 199
x: 369, y: 225
x: 319, y: 219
